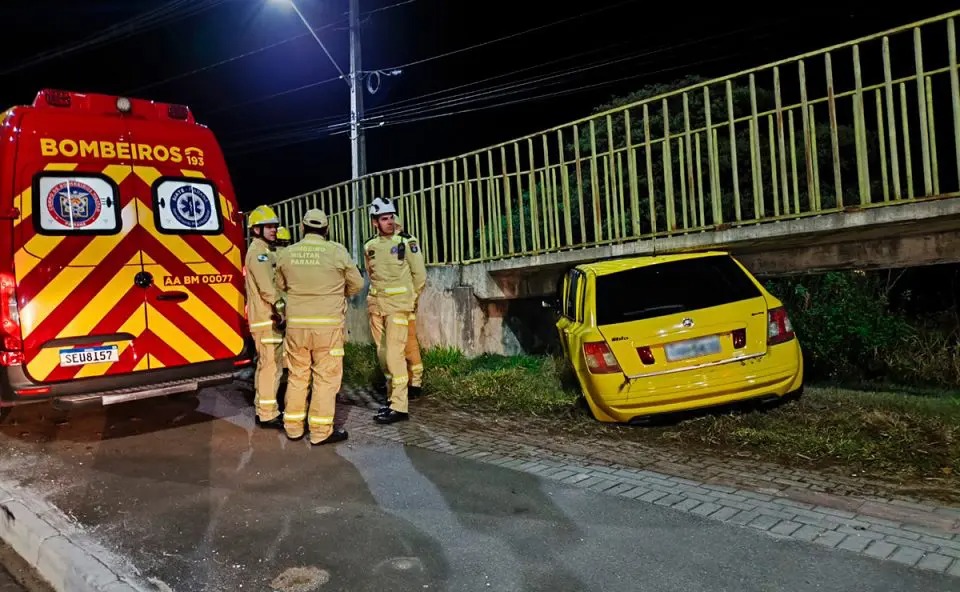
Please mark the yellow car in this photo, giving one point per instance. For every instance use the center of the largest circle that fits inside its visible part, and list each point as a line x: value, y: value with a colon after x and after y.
x: 651, y: 335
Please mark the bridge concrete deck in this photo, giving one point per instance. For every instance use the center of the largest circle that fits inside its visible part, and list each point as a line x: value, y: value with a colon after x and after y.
x: 892, y: 236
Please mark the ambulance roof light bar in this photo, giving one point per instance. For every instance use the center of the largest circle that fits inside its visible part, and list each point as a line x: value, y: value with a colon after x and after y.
x: 57, y: 98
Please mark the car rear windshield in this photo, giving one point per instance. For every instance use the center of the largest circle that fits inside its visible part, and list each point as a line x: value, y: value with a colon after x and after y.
x: 671, y: 288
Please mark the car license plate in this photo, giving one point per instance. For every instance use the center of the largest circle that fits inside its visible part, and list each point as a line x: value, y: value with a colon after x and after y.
x: 693, y: 348
x: 89, y: 355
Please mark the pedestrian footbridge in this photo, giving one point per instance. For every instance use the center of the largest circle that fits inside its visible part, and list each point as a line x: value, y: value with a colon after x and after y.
x: 846, y: 157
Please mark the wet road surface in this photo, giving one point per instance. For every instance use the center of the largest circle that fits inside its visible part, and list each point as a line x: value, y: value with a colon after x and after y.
x: 200, y: 499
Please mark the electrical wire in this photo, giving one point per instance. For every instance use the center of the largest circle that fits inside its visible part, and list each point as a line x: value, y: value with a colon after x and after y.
x: 260, y: 50
x: 457, y: 51
x: 168, y: 13
x: 489, y: 93
x: 310, y: 135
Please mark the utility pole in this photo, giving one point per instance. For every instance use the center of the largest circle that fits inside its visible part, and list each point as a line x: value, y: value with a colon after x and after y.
x: 358, y: 146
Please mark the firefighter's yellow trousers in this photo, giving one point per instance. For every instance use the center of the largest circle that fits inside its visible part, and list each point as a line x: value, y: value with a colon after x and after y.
x: 266, y: 379
x: 390, y: 336
x: 315, y: 361
x: 412, y: 353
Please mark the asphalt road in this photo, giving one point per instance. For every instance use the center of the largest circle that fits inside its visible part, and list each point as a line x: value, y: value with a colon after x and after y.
x: 199, y: 499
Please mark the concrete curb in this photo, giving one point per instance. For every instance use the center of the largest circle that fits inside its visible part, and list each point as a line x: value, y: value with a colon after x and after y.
x: 58, y: 549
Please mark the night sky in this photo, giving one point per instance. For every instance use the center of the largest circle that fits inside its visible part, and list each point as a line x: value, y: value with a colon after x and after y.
x: 279, y: 143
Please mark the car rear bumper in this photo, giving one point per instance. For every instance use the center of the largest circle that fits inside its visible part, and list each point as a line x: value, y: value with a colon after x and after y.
x: 16, y: 388
x: 776, y: 374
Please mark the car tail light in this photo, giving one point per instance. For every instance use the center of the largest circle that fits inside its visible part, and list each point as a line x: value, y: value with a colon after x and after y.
x: 739, y: 338
x: 10, y: 343
x: 57, y: 98
x: 600, y: 359
x: 779, y: 327
x: 646, y: 355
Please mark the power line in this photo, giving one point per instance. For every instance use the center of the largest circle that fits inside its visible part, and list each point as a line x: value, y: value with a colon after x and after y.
x: 259, y: 51
x: 170, y: 12
x: 456, y: 51
x: 513, y: 35
x: 489, y: 93
x: 309, y: 135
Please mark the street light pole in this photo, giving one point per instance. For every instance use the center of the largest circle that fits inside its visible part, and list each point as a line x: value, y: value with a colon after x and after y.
x: 358, y: 146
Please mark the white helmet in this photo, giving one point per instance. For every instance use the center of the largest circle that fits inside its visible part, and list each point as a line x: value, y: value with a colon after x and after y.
x: 381, y: 206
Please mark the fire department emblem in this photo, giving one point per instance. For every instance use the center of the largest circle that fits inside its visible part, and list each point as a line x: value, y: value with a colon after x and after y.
x: 73, y: 204
x: 191, y: 206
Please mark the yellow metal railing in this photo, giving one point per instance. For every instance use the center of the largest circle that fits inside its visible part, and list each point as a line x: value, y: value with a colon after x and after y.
x: 849, y: 126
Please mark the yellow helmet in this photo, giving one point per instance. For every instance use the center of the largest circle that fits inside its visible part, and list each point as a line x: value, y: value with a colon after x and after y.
x: 283, y: 234
x: 262, y: 215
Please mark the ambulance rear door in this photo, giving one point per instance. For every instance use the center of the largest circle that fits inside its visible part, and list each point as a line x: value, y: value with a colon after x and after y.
x: 191, y: 246
x: 77, y: 258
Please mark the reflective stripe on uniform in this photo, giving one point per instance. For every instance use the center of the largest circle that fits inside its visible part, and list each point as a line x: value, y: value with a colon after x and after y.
x: 321, y: 421
x: 400, y: 321
x: 267, y: 402
x: 412, y: 316
x: 337, y: 352
x: 271, y: 340
x: 263, y: 324
x: 295, y: 416
x: 399, y: 380
x: 389, y: 291
x: 315, y: 320
x: 416, y: 367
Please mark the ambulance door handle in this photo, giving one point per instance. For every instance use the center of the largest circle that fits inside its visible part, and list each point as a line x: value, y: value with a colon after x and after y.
x: 173, y: 296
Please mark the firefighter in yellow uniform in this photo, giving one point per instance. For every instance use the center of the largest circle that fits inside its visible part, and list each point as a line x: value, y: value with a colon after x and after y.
x: 412, y: 355
x: 264, y: 310
x: 283, y: 239
x: 412, y: 351
x: 397, y: 276
x: 317, y: 276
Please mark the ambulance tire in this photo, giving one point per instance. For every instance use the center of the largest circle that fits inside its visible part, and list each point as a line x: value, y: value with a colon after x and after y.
x: 4, y: 412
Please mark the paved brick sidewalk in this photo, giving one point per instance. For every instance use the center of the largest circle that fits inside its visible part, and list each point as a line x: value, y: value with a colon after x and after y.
x: 804, y: 506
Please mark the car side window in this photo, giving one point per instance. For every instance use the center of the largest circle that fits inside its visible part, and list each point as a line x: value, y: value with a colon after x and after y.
x: 570, y: 302
x: 582, y: 309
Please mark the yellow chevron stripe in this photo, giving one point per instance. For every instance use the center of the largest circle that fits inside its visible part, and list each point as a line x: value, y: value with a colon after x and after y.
x: 93, y: 312
x: 49, y: 358
x: 40, y: 246
x: 148, y: 174
x: 135, y: 325
x: 184, y: 252
x: 144, y: 364
x: 221, y: 243
x: 196, y: 308
x: 170, y: 333
x: 117, y: 172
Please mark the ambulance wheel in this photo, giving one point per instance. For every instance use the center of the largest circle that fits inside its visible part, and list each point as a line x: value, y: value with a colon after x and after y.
x: 4, y: 412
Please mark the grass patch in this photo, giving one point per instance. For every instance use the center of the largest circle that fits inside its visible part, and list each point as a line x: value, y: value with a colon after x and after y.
x: 530, y: 385
x: 907, y: 438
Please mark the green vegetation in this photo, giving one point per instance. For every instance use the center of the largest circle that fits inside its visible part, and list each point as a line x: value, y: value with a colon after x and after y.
x: 907, y: 439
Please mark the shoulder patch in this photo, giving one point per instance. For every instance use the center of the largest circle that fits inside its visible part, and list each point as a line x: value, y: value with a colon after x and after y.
x: 262, y: 257
x: 414, y: 247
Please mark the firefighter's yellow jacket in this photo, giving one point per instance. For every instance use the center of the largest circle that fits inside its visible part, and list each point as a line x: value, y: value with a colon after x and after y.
x: 261, y: 291
x: 317, y: 276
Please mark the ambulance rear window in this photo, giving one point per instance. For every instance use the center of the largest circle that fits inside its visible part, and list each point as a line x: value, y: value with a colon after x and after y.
x: 186, y: 206
x: 67, y: 203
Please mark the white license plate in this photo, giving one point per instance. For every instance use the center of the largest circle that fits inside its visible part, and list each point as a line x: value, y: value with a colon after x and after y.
x: 694, y: 348
x: 89, y: 355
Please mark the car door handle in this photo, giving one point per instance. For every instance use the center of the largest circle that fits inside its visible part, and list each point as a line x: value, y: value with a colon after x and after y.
x: 173, y: 296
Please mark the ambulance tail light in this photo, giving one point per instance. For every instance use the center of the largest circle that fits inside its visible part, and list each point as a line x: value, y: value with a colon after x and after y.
x: 11, y: 347
x: 178, y: 111
x: 57, y: 98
